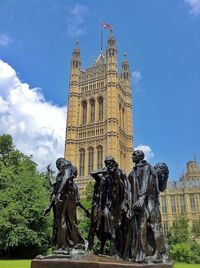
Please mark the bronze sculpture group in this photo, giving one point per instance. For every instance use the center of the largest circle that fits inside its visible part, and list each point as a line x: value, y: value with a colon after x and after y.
x: 125, y: 210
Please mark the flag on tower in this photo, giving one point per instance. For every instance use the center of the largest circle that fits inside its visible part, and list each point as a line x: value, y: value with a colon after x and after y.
x: 106, y: 25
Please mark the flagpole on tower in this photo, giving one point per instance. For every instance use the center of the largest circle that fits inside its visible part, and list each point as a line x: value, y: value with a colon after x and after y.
x: 101, y: 38
x: 104, y: 26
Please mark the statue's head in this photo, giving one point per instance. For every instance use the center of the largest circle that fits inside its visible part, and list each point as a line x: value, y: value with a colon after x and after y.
x: 61, y: 163
x: 75, y: 171
x: 110, y: 163
x: 137, y: 156
x: 162, y: 170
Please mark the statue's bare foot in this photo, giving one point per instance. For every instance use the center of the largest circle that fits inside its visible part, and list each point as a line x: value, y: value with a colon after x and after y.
x: 62, y: 251
x: 40, y: 257
x: 79, y: 246
x: 156, y: 258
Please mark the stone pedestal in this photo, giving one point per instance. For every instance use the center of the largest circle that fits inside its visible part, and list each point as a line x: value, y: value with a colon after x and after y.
x: 92, y: 261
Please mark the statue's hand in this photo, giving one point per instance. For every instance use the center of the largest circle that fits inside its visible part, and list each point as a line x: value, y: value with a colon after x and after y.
x: 48, y: 168
x: 109, y: 204
x: 139, y: 203
x: 58, y: 200
x: 129, y: 214
x: 123, y: 206
x: 88, y: 215
x: 119, y: 222
x: 138, y: 207
x: 46, y: 211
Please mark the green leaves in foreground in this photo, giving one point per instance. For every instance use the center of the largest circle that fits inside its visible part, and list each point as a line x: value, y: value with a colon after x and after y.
x: 183, y: 247
x: 24, y: 231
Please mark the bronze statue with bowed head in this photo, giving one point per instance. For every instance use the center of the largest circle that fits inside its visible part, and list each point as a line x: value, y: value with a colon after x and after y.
x: 160, y: 248
x: 108, y: 206
x: 64, y: 200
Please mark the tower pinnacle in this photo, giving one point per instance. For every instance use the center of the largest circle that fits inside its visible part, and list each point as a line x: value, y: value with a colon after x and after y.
x: 76, y: 58
x: 125, y: 68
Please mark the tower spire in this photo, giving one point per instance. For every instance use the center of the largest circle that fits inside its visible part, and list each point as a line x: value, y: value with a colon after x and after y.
x: 125, y: 74
x: 111, y: 52
x: 76, y: 60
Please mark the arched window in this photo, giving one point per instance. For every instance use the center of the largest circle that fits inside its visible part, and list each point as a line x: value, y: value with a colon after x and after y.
x: 99, y: 157
x: 123, y: 118
x: 90, y: 159
x: 100, y: 108
x: 92, y: 111
x: 82, y: 162
x: 120, y: 116
x: 84, y: 112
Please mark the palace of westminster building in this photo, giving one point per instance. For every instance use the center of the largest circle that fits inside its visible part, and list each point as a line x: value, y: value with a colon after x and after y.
x: 99, y: 123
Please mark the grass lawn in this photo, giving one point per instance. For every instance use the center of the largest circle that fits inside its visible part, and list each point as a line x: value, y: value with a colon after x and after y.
x: 183, y: 265
x: 27, y: 264
x: 15, y: 264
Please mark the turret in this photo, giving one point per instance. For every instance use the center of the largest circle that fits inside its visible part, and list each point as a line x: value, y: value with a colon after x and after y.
x: 125, y: 74
x: 112, y: 111
x: 111, y: 53
x: 73, y: 105
x: 75, y: 64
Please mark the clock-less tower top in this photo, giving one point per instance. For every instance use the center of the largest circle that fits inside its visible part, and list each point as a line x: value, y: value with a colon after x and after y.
x: 99, y: 116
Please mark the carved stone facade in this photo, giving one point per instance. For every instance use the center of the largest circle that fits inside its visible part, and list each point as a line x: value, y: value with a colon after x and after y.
x: 182, y: 197
x: 99, y: 117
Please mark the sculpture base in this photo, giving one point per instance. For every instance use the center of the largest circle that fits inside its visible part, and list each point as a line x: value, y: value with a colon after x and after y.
x: 92, y: 261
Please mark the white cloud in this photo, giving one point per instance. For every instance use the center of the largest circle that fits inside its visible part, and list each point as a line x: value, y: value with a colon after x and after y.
x: 76, y: 20
x: 136, y: 76
x: 37, y: 126
x: 5, y: 40
x: 194, y: 6
x: 146, y: 149
x: 137, y: 81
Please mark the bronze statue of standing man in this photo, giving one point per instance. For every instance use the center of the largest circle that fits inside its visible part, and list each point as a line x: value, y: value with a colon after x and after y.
x: 64, y: 200
x: 140, y: 179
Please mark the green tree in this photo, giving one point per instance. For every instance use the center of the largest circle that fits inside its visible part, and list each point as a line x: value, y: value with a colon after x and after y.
x: 6, y: 147
x: 182, y: 247
x: 83, y: 221
x: 178, y: 232
x: 89, y: 190
x: 196, y: 229
x: 24, y: 231
x: 188, y: 252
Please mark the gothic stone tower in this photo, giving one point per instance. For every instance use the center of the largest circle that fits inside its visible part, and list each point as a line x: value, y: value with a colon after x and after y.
x: 99, y: 118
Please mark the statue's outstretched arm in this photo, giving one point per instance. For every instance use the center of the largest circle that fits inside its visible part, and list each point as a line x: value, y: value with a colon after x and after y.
x: 65, y: 179
x: 97, y: 175
x: 50, y: 172
x: 84, y: 209
x: 48, y: 209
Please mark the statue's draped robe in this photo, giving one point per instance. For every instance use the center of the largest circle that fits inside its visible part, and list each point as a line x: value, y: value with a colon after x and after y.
x: 110, y: 202
x: 140, y: 178
x: 67, y: 231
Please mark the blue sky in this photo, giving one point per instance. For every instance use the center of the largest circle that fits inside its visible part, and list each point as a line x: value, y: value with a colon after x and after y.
x: 162, y: 42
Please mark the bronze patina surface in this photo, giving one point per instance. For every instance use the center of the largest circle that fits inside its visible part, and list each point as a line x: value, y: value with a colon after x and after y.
x: 93, y: 261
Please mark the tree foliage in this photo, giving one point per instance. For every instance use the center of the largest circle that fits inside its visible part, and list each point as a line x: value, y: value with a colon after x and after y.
x: 196, y: 228
x: 83, y: 221
x: 179, y: 231
x: 182, y: 247
x: 89, y: 190
x: 24, y: 231
x: 188, y: 252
